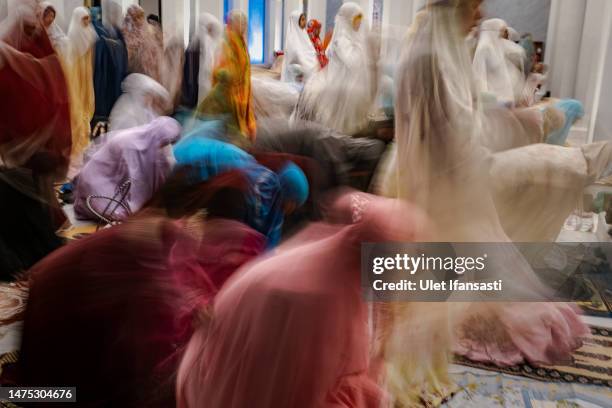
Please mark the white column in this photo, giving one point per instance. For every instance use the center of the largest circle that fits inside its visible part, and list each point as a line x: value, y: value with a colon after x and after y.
x: 279, y: 25
x: 592, y: 53
x: 242, y: 5
x: 175, y: 18
x: 274, y: 28
x: 600, y: 128
x: 214, y: 7
x: 563, y: 46
x: 398, y: 12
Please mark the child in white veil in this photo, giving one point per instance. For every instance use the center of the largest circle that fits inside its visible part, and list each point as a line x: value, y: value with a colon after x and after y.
x: 341, y: 95
x: 300, y: 58
x: 54, y: 31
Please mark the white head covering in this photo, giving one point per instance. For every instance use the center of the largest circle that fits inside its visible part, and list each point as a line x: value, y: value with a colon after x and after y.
x: 343, y: 25
x: 112, y: 15
x: 490, y: 65
x: 300, y: 55
x: 135, y: 107
x: 80, y: 38
x: 54, y: 31
x: 239, y: 17
x: 209, y: 34
x: 514, y: 35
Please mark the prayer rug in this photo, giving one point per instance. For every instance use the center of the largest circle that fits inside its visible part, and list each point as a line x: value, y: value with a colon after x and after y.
x: 590, y: 365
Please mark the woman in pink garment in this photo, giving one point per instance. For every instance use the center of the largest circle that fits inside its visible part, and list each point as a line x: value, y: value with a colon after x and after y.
x: 116, y: 309
x: 291, y: 330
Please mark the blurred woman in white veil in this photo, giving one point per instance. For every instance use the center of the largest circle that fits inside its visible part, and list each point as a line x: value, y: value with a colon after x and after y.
x: 490, y: 66
x: 79, y: 74
x: 300, y: 59
x: 143, y: 100
x: 440, y: 164
x: 340, y: 96
x: 210, y: 34
x: 515, y: 60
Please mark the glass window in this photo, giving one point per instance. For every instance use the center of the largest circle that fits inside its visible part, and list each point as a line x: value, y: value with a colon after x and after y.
x: 257, y: 28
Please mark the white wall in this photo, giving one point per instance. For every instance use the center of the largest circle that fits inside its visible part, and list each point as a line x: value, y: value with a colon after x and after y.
x: 525, y: 16
x: 399, y: 12
x: 150, y: 6
x: 578, y: 45
x: 214, y: 7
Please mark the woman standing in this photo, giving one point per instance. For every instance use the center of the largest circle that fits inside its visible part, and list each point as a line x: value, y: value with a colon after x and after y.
x: 439, y: 154
x: 340, y: 96
x: 79, y: 70
x: 230, y: 95
x: 110, y: 60
x: 300, y: 61
x: 145, y: 53
x: 35, y: 140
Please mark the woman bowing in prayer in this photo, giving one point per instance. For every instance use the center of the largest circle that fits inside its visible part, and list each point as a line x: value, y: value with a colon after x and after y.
x: 230, y: 95
x: 269, y: 195
x: 340, y: 96
x: 299, y: 316
x: 300, y: 61
x: 143, y: 100
x: 79, y: 72
x: 314, y: 32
